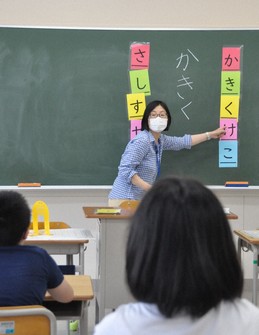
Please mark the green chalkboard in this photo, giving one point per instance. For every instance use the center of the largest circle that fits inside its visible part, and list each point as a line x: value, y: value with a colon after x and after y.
x: 63, y: 113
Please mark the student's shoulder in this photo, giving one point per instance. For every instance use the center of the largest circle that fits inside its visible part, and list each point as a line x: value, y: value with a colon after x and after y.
x: 247, y: 317
x: 113, y: 323
x: 240, y: 307
x: 118, y: 321
x: 247, y: 306
x: 33, y: 249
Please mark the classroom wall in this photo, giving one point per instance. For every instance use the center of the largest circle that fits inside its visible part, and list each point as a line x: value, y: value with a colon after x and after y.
x: 130, y: 13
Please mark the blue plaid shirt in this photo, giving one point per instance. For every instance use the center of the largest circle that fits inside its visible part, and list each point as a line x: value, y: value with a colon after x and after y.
x: 143, y: 156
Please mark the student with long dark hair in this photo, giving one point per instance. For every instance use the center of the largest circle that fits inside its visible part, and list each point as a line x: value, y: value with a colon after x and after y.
x: 182, y: 268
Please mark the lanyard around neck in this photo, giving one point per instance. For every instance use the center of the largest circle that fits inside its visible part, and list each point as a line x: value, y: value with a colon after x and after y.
x: 157, y: 150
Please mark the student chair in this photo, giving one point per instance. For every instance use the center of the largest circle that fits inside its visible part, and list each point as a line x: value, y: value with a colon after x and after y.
x: 129, y: 204
x: 52, y: 225
x: 27, y: 320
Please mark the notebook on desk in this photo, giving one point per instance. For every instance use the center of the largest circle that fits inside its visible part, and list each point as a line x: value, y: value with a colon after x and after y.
x: 61, y: 234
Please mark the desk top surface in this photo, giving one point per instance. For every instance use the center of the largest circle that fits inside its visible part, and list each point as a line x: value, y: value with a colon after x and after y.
x: 69, y: 236
x: 82, y: 286
x: 90, y: 212
x: 244, y: 236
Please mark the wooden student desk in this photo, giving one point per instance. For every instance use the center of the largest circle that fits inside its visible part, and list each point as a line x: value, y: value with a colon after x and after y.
x: 63, y: 242
x: 112, y: 289
x: 78, y: 308
x: 249, y: 244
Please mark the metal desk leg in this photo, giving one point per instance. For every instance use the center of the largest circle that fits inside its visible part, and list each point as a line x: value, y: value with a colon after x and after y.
x: 255, y: 273
x: 69, y: 259
x: 81, y: 259
x: 97, y: 313
x: 239, y: 244
x: 80, y: 267
x: 84, y: 318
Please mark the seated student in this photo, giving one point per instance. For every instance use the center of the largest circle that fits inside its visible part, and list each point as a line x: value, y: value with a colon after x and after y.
x: 182, y: 268
x: 26, y: 272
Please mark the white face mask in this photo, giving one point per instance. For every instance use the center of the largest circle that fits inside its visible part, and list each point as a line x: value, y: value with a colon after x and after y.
x: 158, y: 124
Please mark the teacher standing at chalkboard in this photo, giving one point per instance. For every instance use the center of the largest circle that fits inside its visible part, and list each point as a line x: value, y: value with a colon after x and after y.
x: 140, y: 163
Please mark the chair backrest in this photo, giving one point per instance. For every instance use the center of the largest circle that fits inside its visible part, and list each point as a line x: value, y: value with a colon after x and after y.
x: 129, y: 204
x: 52, y: 225
x: 27, y: 320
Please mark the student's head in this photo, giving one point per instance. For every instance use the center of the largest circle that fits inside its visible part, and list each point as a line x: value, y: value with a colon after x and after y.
x: 150, y: 109
x: 14, y: 218
x: 180, y: 251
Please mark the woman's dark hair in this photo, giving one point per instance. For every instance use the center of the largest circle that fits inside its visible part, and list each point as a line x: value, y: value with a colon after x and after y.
x: 180, y: 251
x: 14, y: 217
x: 150, y: 107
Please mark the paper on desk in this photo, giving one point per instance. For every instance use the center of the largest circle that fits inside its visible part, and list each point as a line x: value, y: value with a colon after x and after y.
x: 61, y: 234
x: 108, y: 211
x: 252, y: 233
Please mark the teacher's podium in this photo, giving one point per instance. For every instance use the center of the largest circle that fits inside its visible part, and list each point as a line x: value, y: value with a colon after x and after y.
x: 112, y: 289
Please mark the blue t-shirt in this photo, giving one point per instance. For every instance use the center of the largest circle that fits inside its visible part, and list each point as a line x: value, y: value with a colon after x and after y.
x: 26, y: 272
x: 142, y: 156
